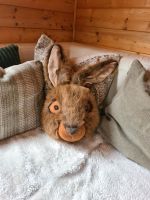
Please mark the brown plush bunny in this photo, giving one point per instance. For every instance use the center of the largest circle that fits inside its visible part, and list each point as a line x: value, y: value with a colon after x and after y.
x: 70, y: 111
x: 147, y: 81
x: 72, y: 108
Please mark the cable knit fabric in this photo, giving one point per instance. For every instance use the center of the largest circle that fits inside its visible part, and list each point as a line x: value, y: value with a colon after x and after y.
x: 21, y: 98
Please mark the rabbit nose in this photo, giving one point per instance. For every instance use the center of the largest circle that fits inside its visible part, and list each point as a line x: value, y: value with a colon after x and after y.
x: 71, y: 129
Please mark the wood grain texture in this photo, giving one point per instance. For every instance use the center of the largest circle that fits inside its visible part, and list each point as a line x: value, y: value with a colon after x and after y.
x: 130, y: 41
x: 57, y: 5
x: 114, y: 23
x: 28, y: 35
x: 113, y: 4
x: 27, y: 20
x: 123, y: 19
x: 12, y: 16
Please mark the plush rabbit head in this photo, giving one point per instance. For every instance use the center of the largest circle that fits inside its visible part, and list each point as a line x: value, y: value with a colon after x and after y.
x: 70, y: 111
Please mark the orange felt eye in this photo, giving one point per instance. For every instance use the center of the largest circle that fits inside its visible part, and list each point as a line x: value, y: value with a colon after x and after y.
x: 54, y: 107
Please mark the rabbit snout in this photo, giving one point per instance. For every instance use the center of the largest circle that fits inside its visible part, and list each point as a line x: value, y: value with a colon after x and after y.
x: 71, y: 129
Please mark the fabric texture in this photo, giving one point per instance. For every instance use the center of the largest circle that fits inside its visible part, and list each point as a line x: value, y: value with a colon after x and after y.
x: 102, y: 77
x: 36, y: 167
x: 97, y: 72
x: 42, y: 52
x: 127, y: 121
x: 9, y: 56
x: 21, y: 97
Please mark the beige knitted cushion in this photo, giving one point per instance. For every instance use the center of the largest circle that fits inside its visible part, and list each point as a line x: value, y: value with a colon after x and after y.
x: 21, y: 96
x: 107, y: 68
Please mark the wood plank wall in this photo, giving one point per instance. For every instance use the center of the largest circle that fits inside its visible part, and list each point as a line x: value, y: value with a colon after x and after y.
x: 25, y: 20
x: 120, y: 24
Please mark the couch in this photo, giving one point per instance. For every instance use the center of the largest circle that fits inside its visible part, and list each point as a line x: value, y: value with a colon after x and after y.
x: 34, y: 166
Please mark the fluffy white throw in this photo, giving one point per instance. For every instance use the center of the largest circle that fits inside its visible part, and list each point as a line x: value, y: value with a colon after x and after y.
x: 36, y: 167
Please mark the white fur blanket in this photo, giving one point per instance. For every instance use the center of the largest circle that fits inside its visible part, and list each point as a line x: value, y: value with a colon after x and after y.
x: 34, y: 166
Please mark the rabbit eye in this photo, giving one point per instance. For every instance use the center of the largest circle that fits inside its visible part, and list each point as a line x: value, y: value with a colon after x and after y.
x: 54, y: 107
x: 88, y: 107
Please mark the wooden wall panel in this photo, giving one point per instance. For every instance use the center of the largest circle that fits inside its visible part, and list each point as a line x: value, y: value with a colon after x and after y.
x: 114, y: 3
x: 59, y: 5
x: 34, y: 17
x: 123, y: 19
x: 26, y: 35
x: 114, y: 23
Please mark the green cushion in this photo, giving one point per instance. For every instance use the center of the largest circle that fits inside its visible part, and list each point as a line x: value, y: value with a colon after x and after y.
x: 9, y: 56
x: 127, y: 125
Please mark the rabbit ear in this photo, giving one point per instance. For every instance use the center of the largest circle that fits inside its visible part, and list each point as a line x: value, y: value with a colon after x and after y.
x: 89, y: 75
x: 57, y: 69
x: 55, y: 62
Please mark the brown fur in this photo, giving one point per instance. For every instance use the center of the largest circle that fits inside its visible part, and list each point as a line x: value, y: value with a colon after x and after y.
x: 147, y: 81
x: 73, y: 100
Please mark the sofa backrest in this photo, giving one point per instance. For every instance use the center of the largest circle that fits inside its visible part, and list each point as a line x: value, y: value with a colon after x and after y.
x: 78, y: 52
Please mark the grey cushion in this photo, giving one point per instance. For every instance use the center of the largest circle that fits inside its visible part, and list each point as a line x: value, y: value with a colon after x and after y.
x: 127, y: 125
x: 21, y: 96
